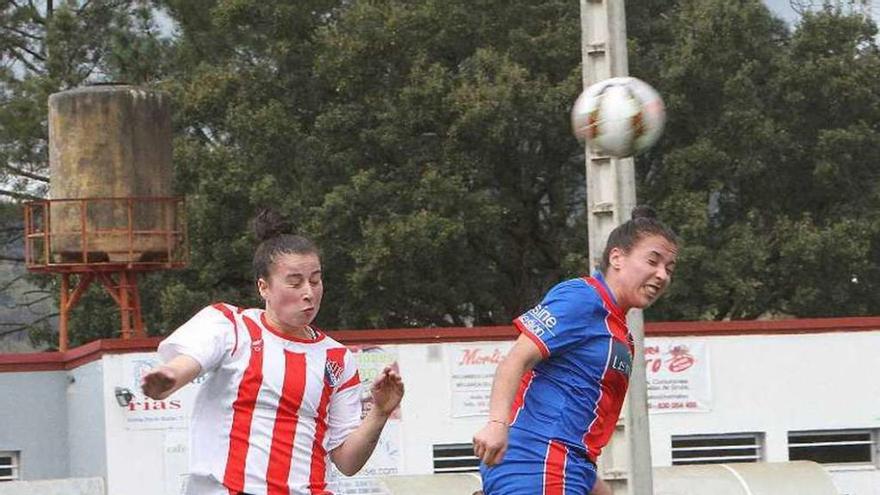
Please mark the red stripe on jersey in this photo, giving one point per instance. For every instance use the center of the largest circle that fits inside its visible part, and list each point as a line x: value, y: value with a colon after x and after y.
x: 318, y: 470
x: 545, y: 352
x: 228, y: 314
x: 616, y: 324
x: 618, y: 318
x: 598, y: 424
x: 554, y: 468
x: 243, y: 411
x: 355, y: 380
x: 612, y: 389
x: 520, y: 399
x: 225, y: 310
x: 286, y: 419
x: 614, y: 385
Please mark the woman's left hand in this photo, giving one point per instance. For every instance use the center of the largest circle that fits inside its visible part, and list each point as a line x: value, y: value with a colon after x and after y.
x: 387, y: 390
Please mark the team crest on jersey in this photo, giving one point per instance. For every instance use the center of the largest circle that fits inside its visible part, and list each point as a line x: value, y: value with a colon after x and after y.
x: 257, y: 345
x: 333, y: 373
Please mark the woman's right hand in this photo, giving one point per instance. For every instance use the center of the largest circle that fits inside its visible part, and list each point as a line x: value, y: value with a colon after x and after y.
x: 490, y: 443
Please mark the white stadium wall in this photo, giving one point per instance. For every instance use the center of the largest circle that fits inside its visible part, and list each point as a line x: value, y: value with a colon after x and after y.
x: 86, y: 432
x: 776, y: 384
x: 33, y: 424
x: 757, y: 381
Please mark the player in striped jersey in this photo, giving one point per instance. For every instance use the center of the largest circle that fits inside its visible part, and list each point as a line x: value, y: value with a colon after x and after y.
x: 558, y: 393
x: 281, y: 397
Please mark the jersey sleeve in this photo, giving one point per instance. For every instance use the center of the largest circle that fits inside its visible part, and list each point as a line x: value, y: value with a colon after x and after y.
x: 567, y: 316
x: 345, y: 404
x: 207, y: 337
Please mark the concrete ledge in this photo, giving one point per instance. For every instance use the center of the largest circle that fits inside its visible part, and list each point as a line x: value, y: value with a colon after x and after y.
x: 433, y: 484
x: 753, y: 478
x: 69, y: 486
x: 758, y: 478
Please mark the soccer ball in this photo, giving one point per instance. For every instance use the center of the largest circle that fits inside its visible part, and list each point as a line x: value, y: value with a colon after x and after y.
x: 620, y: 116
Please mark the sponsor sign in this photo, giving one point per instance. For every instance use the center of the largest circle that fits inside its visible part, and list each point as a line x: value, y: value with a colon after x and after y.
x: 471, y: 371
x: 143, y: 413
x: 386, y: 459
x: 678, y: 375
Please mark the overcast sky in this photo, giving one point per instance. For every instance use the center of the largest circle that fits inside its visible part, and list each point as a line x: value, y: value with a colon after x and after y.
x: 782, y: 8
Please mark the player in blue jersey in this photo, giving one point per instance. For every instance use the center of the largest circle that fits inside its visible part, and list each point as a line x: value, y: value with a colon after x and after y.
x: 558, y: 394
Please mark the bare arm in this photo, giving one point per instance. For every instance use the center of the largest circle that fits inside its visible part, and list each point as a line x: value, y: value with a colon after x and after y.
x: 490, y: 442
x: 353, y: 453
x: 167, y: 378
x: 601, y: 488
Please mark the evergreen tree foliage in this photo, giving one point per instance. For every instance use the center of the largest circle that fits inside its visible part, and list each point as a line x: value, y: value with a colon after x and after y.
x: 426, y: 147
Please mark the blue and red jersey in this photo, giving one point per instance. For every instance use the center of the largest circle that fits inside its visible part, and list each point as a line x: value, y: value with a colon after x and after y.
x: 576, y: 393
x: 567, y: 406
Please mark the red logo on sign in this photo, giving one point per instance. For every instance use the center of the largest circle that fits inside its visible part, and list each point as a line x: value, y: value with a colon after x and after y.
x: 681, y: 359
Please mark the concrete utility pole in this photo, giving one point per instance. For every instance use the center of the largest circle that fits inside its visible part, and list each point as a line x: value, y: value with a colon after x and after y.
x: 611, y: 196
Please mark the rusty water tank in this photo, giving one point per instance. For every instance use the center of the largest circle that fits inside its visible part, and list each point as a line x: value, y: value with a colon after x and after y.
x: 109, y: 141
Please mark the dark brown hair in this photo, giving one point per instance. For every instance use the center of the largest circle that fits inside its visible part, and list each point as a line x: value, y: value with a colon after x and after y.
x: 643, y: 223
x: 275, y: 235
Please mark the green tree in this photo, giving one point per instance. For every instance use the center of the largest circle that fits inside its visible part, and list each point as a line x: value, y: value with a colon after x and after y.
x: 466, y: 179
x: 768, y: 166
x: 245, y: 97
x: 50, y: 47
x: 423, y: 145
x: 426, y: 147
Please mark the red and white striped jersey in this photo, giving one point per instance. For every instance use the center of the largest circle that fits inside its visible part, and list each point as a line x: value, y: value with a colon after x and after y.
x: 272, y: 406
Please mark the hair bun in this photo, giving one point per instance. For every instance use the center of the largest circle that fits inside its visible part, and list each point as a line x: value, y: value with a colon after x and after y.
x: 269, y: 223
x: 643, y: 211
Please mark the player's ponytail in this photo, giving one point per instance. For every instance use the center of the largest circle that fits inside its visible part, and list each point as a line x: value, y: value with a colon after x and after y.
x: 268, y: 223
x: 275, y: 235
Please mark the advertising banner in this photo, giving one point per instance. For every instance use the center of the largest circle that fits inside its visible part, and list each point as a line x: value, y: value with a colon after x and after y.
x: 386, y: 459
x: 143, y: 413
x: 678, y: 375
x: 471, y: 370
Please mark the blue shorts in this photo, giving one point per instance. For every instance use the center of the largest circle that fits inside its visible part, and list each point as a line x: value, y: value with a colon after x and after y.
x: 537, y: 466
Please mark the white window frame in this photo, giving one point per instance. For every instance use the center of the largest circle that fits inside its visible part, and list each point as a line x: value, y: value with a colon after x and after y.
x: 13, y: 464
x: 723, y: 441
x: 471, y: 463
x: 873, y: 439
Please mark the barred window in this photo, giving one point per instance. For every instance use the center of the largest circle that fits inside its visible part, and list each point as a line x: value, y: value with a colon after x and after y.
x: 716, y: 449
x: 9, y: 467
x: 833, y: 446
x: 455, y: 458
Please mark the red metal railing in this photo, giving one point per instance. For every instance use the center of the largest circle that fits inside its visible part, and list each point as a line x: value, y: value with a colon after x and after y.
x: 108, y: 240
x: 91, y: 234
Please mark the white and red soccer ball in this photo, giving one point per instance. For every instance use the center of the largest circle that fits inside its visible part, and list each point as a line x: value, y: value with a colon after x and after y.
x: 620, y: 116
